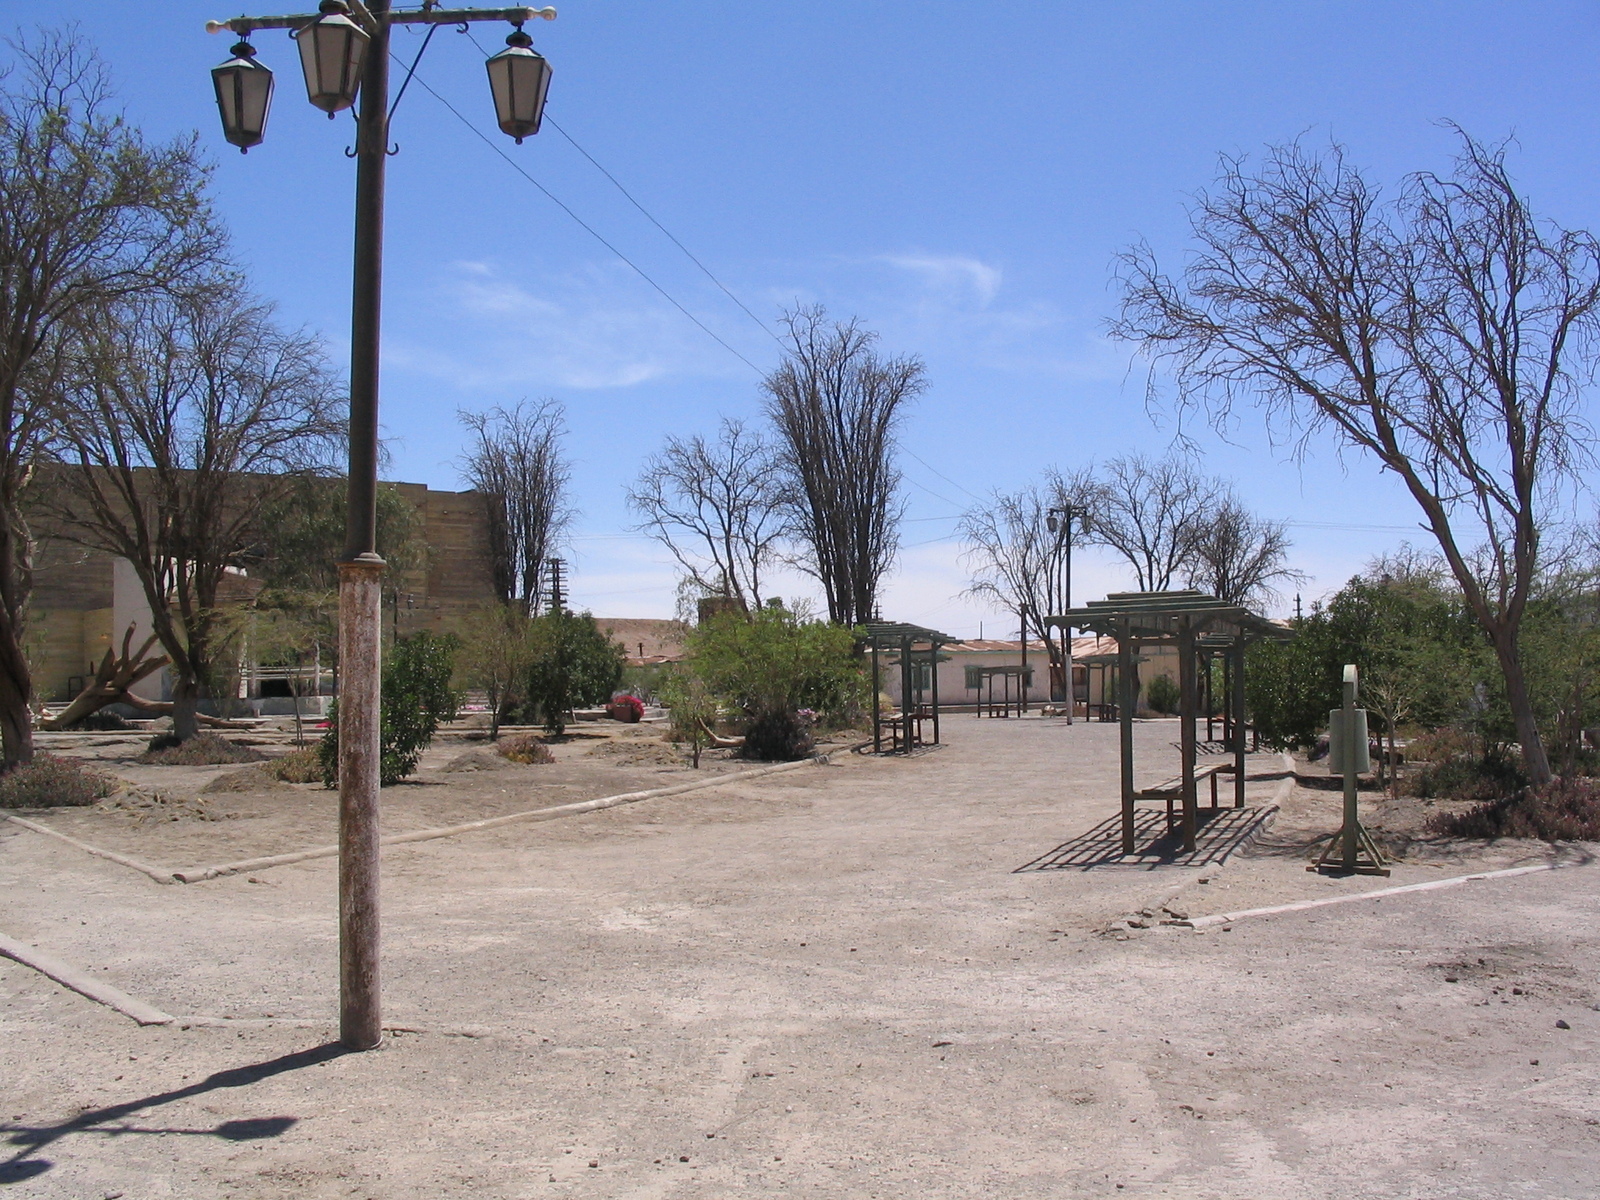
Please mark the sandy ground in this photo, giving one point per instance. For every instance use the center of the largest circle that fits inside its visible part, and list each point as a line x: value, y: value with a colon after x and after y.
x: 892, y: 978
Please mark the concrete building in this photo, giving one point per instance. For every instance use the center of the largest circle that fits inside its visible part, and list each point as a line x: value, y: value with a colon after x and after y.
x: 83, y: 600
x: 963, y: 682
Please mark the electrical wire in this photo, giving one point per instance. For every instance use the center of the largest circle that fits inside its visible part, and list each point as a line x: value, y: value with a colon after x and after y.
x: 648, y: 215
x: 944, y: 477
x: 589, y: 229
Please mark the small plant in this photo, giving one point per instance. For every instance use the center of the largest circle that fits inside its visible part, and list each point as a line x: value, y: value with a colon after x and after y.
x: 777, y: 737
x: 50, y: 781
x: 1560, y: 811
x: 417, y: 699
x: 626, y: 708
x: 1161, y: 694
x: 691, y: 708
x: 202, y: 750
x: 1442, y: 745
x: 1493, y: 777
x: 298, y: 766
x: 528, y: 749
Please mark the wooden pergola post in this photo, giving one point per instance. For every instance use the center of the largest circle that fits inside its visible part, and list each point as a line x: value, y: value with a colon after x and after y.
x: 933, y: 679
x: 1125, y: 702
x: 1236, y: 695
x: 877, y: 707
x: 1186, y: 714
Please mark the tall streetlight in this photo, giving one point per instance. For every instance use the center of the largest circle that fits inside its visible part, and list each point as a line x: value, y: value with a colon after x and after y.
x: 1060, y: 521
x: 344, y: 55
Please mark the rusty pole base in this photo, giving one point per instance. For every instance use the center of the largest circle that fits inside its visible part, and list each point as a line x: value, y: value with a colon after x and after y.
x: 360, y: 667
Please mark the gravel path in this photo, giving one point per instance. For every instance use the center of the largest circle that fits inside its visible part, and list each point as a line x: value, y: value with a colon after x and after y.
x: 830, y: 982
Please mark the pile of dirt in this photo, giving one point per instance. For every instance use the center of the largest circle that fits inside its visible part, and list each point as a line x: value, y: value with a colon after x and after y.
x: 639, y: 752
x: 481, y: 758
x: 258, y: 777
x: 144, y: 806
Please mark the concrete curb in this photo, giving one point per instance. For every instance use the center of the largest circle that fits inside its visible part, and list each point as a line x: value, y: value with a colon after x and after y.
x: 197, y: 874
x: 155, y: 873
x: 83, y: 983
x: 1431, y: 885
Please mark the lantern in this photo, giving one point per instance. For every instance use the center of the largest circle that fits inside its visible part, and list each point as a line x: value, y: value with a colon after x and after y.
x: 519, y: 79
x: 244, y: 94
x: 332, y: 49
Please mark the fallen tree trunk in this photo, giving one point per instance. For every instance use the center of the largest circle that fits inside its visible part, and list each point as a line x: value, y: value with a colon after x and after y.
x: 110, y: 685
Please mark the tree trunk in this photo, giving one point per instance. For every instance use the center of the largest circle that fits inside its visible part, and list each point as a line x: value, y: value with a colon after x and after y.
x: 185, y: 697
x: 1535, y: 762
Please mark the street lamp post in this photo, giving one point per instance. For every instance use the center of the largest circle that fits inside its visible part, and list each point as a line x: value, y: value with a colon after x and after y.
x: 344, y: 54
x: 1059, y: 521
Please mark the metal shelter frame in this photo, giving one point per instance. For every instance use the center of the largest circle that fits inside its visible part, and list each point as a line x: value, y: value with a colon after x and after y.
x: 914, y: 644
x: 986, y: 701
x: 1191, y: 621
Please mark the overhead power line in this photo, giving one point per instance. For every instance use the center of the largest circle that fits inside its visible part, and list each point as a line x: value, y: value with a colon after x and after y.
x: 587, y: 228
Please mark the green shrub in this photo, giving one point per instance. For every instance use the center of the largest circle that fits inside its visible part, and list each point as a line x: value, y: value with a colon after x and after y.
x: 417, y: 699
x: 777, y: 737
x: 691, y: 708
x: 53, y: 782
x: 574, y: 665
x: 1492, y: 777
x: 528, y: 749
x: 202, y: 750
x: 1561, y: 810
x: 1161, y: 694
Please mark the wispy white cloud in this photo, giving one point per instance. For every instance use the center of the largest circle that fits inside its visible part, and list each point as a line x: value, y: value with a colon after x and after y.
x: 954, y: 274
x: 590, y: 329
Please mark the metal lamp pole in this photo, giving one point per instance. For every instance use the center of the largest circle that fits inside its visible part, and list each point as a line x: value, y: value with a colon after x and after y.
x: 343, y: 58
x: 1062, y: 528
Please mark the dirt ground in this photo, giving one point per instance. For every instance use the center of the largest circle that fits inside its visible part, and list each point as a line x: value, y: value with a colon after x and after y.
x: 875, y: 978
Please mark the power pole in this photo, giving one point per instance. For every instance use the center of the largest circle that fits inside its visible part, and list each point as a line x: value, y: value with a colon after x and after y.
x: 558, y: 591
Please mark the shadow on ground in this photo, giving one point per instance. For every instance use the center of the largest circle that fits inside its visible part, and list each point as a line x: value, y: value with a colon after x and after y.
x: 111, y: 1121
x: 1219, y: 833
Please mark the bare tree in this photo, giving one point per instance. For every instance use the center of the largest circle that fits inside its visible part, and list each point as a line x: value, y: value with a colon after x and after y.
x: 1152, y: 512
x: 181, y: 419
x: 515, y: 462
x: 1019, y: 561
x: 89, y: 213
x: 836, y: 405
x: 720, y: 508
x: 1238, y: 556
x: 1447, y: 333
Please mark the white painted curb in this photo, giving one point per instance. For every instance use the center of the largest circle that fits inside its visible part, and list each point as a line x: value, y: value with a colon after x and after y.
x: 83, y: 983
x: 1432, y: 885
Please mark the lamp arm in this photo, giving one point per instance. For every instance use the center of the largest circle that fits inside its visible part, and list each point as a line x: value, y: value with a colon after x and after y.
x: 244, y: 26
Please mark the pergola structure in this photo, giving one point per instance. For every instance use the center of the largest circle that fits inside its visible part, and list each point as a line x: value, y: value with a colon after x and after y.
x: 986, y: 677
x: 915, y: 644
x: 1191, y: 621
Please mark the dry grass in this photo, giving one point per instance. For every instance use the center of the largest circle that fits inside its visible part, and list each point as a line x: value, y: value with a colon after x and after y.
x: 1563, y: 810
x: 526, y: 748
x: 53, y: 782
x: 202, y: 750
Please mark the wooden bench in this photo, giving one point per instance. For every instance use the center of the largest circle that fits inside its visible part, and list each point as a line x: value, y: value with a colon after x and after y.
x: 1172, y: 789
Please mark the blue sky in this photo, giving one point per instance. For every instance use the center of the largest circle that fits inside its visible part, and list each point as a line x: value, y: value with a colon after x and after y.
x: 957, y: 175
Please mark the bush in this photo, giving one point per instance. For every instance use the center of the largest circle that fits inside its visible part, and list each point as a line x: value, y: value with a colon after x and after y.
x: 53, y: 782
x: 202, y: 750
x: 777, y: 737
x: 1161, y: 694
x: 1442, y: 745
x: 102, y: 720
x: 298, y: 766
x: 416, y: 700
x: 1562, y: 810
x: 574, y: 665
x: 527, y: 749
x: 1492, y: 777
